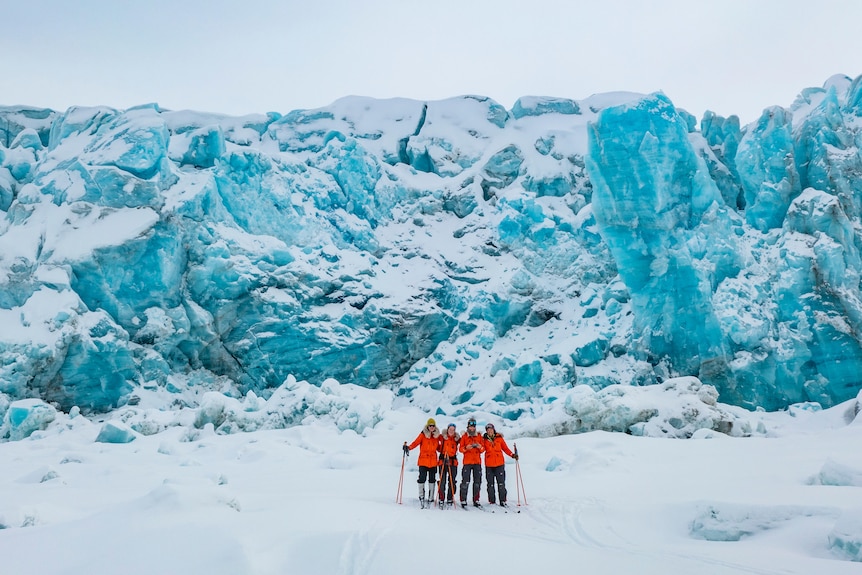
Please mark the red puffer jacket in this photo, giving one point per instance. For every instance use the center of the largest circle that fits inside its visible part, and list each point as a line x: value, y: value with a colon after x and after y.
x: 472, y: 446
x: 429, y: 444
x: 449, y: 448
x: 495, y: 446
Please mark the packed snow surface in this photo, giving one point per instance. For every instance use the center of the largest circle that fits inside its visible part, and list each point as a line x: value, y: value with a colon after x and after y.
x: 314, y: 499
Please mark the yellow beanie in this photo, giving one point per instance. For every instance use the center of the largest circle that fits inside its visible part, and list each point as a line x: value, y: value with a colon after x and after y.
x: 431, y: 421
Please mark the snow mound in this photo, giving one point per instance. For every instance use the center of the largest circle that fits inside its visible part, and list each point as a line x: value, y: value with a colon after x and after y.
x: 834, y: 473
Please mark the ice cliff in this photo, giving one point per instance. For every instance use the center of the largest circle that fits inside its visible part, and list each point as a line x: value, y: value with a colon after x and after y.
x: 463, y: 255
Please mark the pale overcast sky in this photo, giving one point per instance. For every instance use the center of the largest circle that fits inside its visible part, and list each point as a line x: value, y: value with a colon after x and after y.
x: 244, y: 56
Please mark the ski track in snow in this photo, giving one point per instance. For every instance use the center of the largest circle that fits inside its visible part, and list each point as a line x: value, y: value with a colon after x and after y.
x: 564, y: 523
x: 567, y: 518
x: 357, y: 556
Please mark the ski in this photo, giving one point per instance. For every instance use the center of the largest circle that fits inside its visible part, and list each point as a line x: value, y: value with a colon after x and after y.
x: 490, y: 508
x: 504, y: 508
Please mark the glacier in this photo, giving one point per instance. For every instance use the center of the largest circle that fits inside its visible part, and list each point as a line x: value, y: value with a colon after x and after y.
x: 458, y: 254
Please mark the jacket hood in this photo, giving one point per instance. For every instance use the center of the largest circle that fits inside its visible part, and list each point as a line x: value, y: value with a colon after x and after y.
x: 429, y: 433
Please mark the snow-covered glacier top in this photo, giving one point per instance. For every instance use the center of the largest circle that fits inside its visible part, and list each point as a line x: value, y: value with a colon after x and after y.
x: 461, y: 255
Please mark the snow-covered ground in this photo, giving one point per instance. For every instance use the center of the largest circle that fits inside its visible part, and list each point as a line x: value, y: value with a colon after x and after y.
x: 314, y: 500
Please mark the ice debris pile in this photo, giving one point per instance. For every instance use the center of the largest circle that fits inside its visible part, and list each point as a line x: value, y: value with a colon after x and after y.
x: 463, y: 256
x: 678, y: 408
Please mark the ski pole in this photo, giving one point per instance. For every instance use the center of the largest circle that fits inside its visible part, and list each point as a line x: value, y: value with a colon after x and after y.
x: 451, y: 483
x: 445, y: 475
x: 519, y: 479
x: 517, y: 482
x: 444, y: 471
x: 439, y: 481
x: 398, y: 494
x: 518, y: 470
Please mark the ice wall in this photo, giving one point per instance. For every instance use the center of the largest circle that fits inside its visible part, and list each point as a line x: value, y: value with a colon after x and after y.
x: 464, y: 255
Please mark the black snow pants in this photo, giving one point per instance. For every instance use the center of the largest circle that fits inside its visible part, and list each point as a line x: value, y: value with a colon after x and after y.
x: 496, y: 475
x: 474, y: 470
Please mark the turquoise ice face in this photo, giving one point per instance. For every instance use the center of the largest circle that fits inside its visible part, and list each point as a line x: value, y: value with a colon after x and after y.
x: 469, y: 257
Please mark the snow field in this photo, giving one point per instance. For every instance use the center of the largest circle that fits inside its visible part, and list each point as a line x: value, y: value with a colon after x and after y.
x: 311, y: 499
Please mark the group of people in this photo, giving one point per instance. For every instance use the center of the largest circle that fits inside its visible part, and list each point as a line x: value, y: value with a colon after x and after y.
x: 439, y: 451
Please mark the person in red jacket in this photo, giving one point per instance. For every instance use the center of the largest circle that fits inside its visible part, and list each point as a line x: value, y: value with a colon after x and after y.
x: 428, y: 442
x: 449, y: 464
x: 495, y: 465
x: 472, y: 445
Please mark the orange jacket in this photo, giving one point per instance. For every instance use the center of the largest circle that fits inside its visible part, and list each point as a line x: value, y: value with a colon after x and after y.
x: 494, y: 449
x: 472, y: 454
x: 429, y: 444
x: 449, y: 448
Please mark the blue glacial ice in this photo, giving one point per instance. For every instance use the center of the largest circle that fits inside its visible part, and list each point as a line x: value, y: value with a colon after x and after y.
x: 463, y: 256
x: 115, y: 432
x: 25, y: 416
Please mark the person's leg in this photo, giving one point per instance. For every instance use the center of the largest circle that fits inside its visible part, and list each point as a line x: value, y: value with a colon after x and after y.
x: 477, y: 481
x: 423, y: 474
x: 465, y: 480
x: 489, y: 479
x: 440, y: 491
x: 451, y: 483
x: 501, y: 484
x: 432, y: 479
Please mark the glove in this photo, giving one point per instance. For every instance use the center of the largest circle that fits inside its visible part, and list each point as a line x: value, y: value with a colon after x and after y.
x: 515, y: 457
x: 406, y: 449
x: 474, y: 445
